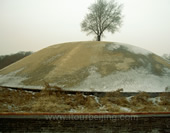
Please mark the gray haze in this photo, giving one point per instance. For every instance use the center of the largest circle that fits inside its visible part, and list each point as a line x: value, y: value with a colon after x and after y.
x: 30, y: 25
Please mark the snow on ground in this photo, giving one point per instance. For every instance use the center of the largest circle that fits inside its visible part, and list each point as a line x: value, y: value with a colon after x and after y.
x: 113, y: 46
x: 155, y: 100
x: 134, y: 49
x: 128, y: 47
x: 125, y: 109
x: 131, y: 81
x: 11, y: 79
x: 129, y: 98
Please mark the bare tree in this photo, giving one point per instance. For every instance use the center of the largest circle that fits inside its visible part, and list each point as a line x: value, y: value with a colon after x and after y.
x: 102, y: 16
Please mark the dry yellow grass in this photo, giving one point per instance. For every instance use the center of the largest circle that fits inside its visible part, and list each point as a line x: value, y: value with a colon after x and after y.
x: 14, y: 100
x: 165, y: 99
x: 60, y: 102
x: 140, y: 99
x: 49, y: 104
x: 115, y: 98
x: 141, y: 103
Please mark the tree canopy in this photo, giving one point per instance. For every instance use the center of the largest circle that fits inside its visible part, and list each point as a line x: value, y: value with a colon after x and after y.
x: 102, y: 16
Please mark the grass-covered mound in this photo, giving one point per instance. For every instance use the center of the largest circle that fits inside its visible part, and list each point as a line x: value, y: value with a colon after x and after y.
x: 101, y: 66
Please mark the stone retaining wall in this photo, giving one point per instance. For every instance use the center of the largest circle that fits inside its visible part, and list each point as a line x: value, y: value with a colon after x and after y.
x: 67, y: 124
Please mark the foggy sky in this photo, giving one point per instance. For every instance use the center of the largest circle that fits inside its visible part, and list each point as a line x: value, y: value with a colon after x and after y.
x: 30, y: 25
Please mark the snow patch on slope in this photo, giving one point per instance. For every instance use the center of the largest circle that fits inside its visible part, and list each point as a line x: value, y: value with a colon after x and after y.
x: 113, y: 46
x: 131, y: 81
x: 134, y: 49
x: 11, y: 79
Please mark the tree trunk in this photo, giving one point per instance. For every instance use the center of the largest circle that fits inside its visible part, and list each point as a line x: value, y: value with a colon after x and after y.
x: 98, y: 37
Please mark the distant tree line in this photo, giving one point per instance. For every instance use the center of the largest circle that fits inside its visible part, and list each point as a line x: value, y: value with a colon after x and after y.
x: 6, y: 60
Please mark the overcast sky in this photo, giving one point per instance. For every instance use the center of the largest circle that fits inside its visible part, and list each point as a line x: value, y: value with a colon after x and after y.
x: 30, y: 25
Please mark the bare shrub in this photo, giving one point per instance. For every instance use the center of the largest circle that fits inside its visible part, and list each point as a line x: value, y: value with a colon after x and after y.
x: 165, y: 98
x: 115, y: 98
x: 142, y: 98
x: 112, y: 107
x: 141, y: 103
x: 80, y: 99
x: 69, y: 100
x: 91, y: 103
x: 75, y: 100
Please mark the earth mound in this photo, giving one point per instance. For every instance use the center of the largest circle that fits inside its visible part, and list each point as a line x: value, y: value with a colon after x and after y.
x: 90, y: 66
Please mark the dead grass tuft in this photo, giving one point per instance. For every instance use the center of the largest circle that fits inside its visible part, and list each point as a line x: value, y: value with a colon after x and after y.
x: 51, y: 87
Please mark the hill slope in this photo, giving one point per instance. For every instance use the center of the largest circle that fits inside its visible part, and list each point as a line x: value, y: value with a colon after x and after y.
x: 90, y: 66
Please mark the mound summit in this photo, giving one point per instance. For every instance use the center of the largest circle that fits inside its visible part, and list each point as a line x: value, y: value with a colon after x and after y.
x: 90, y: 66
